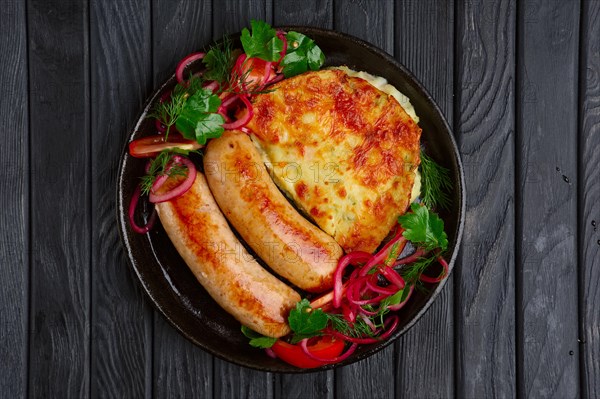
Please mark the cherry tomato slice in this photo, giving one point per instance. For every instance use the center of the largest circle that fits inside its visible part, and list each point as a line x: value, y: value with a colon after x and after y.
x: 326, y: 347
x: 150, y: 146
x: 254, y: 72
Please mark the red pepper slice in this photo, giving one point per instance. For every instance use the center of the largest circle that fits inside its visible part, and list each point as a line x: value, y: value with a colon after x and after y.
x: 150, y: 146
x: 253, y: 73
x: 326, y: 347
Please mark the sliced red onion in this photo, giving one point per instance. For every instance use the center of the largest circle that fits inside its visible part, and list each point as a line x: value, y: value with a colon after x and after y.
x: 433, y: 280
x: 226, y: 103
x: 165, y: 96
x: 184, y: 63
x: 364, y: 311
x: 180, y: 189
x: 132, y: 207
x: 304, y: 346
x: 237, y: 67
x: 267, y: 74
x: 275, y: 79
x: 381, y: 256
x: 410, y: 258
x: 348, y: 338
x: 243, y: 121
x: 380, y: 290
x: 368, y: 322
x: 393, y: 277
x: 361, y: 302
x: 343, y: 263
x: 404, y: 302
x: 212, y: 86
x: 349, y: 312
x: 270, y: 353
x: 383, y: 336
x: 159, y: 126
x: 281, y: 35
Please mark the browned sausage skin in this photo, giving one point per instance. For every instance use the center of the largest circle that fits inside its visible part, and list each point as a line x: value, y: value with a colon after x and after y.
x: 293, y: 247
x: 231, y: 276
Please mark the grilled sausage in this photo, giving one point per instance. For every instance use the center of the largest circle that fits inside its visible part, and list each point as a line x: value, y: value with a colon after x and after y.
x: 231, y: 276
x: 293, y: 247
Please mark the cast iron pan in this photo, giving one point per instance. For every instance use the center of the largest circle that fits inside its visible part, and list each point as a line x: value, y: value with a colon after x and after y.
x: 173, y: 289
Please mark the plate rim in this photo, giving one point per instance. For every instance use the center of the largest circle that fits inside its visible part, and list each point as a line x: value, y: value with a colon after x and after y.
x: 122, y: 215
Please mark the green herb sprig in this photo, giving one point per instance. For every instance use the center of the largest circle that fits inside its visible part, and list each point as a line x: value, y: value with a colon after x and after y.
x: 161, y: 165
x: 168, y: 111
x: 257, y: 340
x: 435, y: 183
x: 219, y: 60
x: 424, y: 228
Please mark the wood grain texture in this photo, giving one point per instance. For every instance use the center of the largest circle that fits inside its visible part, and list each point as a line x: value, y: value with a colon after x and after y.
x: 231, y: 381
x: 179, y: 27
x: 367, y: 20
x: 485, y: 294
x: 546, y: 143
x: 181, y: 369
x: 121, y: 81
x: 373, y: 22
x: 14, y: 213
x: 231, y: 16
x: 589, y: 198
x: 60, y: 226
x: 317, y: 13
x: 424, y: 44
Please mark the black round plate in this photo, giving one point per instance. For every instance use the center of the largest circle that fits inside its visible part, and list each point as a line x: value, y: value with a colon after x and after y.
x: 181, y: 299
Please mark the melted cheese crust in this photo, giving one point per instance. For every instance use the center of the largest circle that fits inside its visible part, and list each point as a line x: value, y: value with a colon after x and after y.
x: 345, y: 153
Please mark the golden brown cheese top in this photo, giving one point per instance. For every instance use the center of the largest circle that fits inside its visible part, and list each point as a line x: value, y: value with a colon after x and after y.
x: 343, y: 151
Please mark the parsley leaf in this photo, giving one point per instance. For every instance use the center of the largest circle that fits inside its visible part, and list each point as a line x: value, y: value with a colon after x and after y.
x: 257, y: 340
x: 395, y: 299
x: 424, y: 228
x: 263, y: 43
x: 198, y: 119
x: 305, y: 321
x: 302, y: 54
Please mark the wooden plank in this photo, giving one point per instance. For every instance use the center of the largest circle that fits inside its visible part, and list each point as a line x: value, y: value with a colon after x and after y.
x: 425, y: 43
x: 60, y: 199
x: 367, y: 20
x: 317, y: 13
x: 14, y: 247
x: 181, y: 370
x: 373, y: 22
x: 230, y: 17
x: 546, y: 142
x: 121, y: 78
x: 589, y: 198
x: 485, y: 298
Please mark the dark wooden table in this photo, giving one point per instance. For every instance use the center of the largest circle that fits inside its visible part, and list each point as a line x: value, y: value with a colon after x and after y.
x: 518, y: 81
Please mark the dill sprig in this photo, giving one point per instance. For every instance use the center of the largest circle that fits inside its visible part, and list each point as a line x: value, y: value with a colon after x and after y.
x: 159, y: 166
x: 219, y: 61
x: 358, y: 329
x: 436, y: 183
x: 393, y: 255
x: 412, y: 271
x: 238, y: 84
x: 169, y: 110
